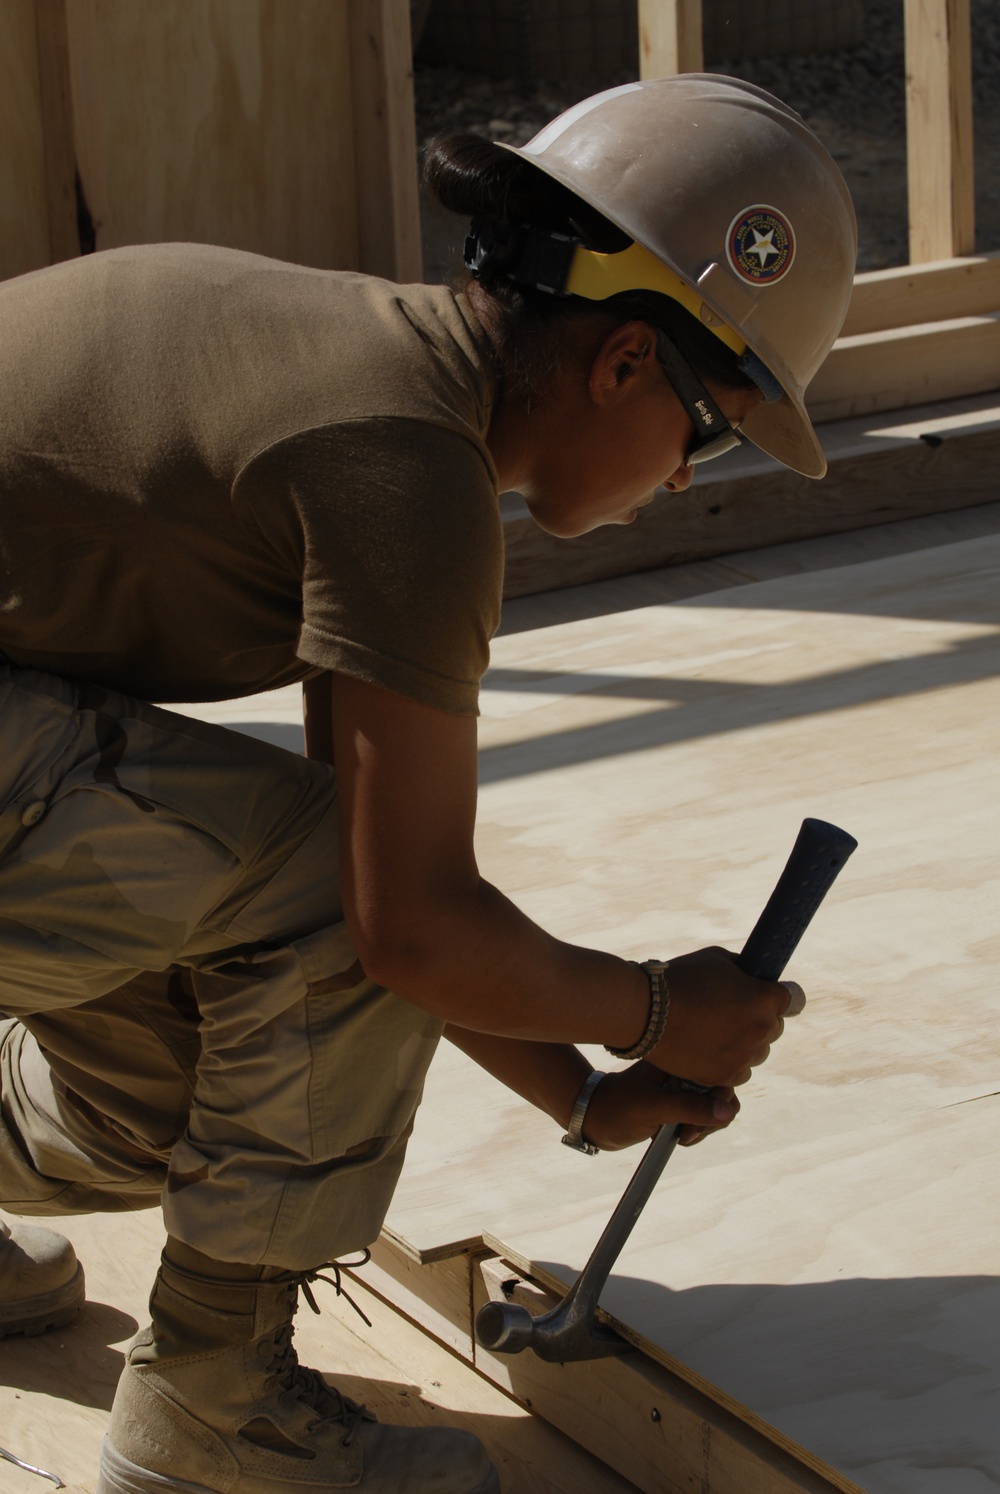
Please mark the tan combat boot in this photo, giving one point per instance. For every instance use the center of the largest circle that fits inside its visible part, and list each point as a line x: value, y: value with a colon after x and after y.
x: 213, y: 1400
x: 41, y: 1280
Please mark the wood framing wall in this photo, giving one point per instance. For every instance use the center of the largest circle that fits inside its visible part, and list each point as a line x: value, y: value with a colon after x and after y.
x: 939, y: 129
x: 938, y: 102
x: 280, y: 126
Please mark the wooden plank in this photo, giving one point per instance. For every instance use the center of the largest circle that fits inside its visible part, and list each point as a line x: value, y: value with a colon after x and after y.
x: 650, y: 1424
x: 437, y: 1296
x: 930, y: 460
x: 907, y: 366
x: 385, y: 140
x: 224, y: 121
x: 24, y: 216
x: 57, y: 128
x: 938, y: 291
x: 670, y: 37
x: 939, y: 129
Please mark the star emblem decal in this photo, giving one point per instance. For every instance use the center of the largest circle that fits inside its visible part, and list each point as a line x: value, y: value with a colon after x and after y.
x: 763, y: 246
x: 760, y: 245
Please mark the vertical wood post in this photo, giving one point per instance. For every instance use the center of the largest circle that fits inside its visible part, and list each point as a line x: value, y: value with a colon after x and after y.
x: 670, y: 39
x: 385, y: 139
x: 57, y: 127
x: 939, y: 129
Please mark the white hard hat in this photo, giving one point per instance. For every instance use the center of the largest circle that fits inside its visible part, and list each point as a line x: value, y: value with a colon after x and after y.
x: 735, y: 210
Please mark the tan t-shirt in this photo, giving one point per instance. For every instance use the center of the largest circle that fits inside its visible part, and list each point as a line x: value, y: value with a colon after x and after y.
x: 218, y: 472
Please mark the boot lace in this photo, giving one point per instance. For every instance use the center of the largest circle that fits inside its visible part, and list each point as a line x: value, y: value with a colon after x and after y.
x: 296, y: 1381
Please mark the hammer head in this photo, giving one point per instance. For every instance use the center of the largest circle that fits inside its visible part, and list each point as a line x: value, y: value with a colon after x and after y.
x: 560, y: 1336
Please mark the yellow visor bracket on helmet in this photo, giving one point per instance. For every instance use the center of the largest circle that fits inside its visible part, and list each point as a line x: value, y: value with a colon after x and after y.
x: 596, y: 276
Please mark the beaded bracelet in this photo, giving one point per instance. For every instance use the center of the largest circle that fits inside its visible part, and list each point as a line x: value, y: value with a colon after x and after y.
x: 659, y: 1008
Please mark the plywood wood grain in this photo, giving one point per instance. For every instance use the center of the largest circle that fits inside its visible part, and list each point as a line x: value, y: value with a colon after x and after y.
x: 388, y: 209
x: 829, y: 1265
x: 224, y: 121
x: 55, y: 96
x: 24, y: 216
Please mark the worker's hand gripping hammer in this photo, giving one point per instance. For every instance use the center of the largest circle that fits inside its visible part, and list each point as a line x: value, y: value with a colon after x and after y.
x: 570, y: 1331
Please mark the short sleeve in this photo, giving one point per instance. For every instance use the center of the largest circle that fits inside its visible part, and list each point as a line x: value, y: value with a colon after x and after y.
x: 395, y: 525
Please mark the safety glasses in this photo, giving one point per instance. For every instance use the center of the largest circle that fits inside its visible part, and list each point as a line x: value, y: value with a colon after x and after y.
x: 713, y: 433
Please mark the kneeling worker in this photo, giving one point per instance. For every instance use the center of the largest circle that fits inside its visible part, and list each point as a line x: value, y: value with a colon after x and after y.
x: 224, y: 968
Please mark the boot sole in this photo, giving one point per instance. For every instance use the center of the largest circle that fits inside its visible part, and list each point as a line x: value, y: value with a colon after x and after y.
x: 119, y: 1475
x: 51, y: 1310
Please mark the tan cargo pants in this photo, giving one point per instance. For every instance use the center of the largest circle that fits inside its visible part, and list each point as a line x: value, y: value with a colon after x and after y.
x: 187, y: 1017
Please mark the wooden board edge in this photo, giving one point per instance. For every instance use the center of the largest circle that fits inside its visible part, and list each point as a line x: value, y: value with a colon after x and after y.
x: 428, y: 1255
x: 435, y: 1295
x: 654, y: 1426
x: 902, y: 479
x: 907, y: 366
x: 967, y: 285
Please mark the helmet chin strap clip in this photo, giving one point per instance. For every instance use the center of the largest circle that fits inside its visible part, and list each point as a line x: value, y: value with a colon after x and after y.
x: 529, y: 256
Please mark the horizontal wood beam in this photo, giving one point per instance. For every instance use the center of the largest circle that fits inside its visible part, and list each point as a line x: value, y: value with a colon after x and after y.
x: 938, y: 291
x: 882, y: 468
x: 670, y: 38
x: 939, y: 129
x: 906, y: 366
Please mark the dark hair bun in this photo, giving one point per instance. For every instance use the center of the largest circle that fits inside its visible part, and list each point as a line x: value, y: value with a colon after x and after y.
x: 482, y: 181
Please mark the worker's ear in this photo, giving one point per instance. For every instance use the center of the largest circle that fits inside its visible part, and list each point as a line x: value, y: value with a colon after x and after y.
x: 624, y: 354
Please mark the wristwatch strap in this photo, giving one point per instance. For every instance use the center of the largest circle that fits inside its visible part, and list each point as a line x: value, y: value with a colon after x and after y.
x: 574, y: 1136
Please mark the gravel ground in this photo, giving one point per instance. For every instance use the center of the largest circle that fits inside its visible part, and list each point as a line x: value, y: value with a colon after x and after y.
x: 854, y: 100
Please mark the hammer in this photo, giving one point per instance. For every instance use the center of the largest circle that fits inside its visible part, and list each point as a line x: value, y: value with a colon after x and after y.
x: 570, y: 1330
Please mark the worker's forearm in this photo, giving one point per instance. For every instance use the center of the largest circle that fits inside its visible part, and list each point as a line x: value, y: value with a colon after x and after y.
x: 477, y: 961
x: 548, y: 1075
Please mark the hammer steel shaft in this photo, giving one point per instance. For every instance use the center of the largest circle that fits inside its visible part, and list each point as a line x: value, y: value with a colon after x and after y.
x: 570, y: 1330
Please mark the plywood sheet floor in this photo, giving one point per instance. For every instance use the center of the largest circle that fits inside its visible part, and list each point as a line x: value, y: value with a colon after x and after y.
x: 830, y: 1266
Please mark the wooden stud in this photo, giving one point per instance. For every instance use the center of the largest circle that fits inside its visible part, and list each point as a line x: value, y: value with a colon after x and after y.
x: 939, y: 129
x: 670, y: 37
x: 24, y: 237
x: 57, y: 127
x: 385, y: 139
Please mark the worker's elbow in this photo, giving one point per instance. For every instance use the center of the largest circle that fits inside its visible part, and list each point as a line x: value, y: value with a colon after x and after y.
x: 400, y: 952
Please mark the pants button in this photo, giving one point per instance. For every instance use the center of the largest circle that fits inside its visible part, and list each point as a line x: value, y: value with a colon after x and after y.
x: 34, y: 812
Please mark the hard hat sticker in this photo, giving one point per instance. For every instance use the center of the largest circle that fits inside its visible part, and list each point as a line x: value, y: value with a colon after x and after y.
x: 760, y: 245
